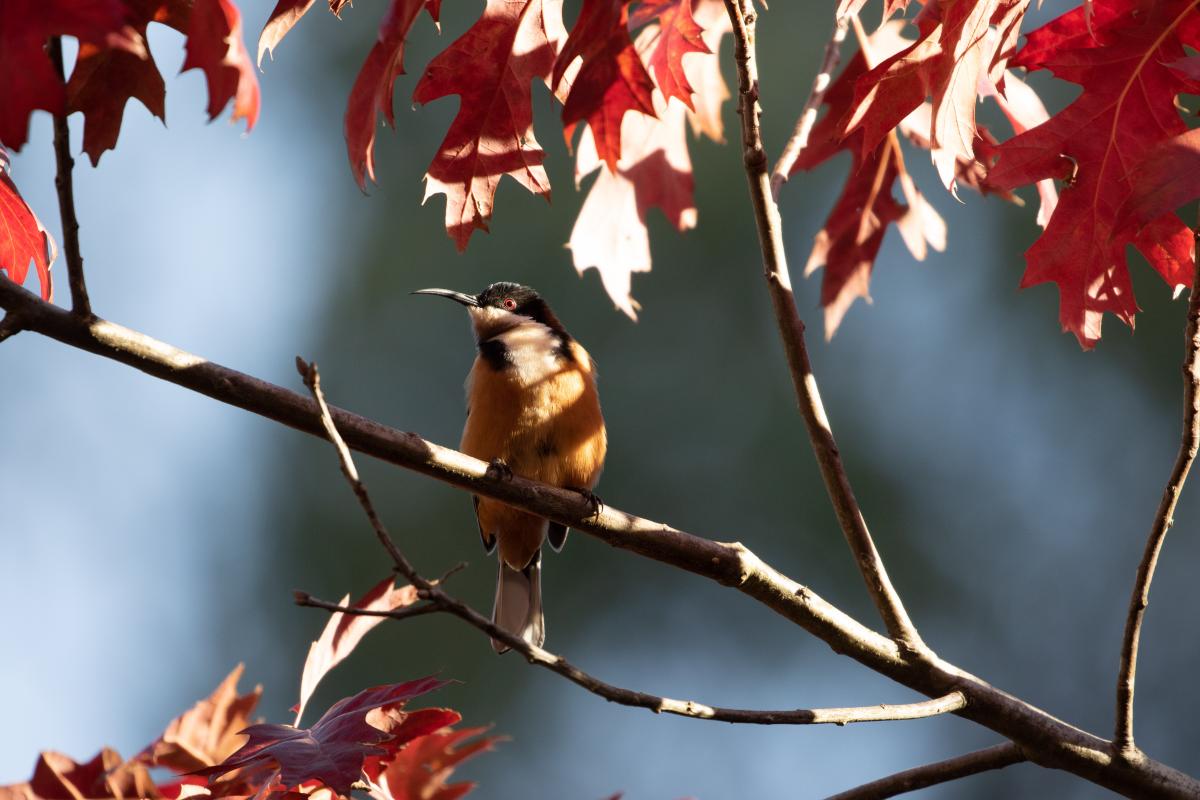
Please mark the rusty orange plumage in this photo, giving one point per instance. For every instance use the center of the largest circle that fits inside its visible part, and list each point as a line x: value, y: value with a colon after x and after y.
x: 533, y: 408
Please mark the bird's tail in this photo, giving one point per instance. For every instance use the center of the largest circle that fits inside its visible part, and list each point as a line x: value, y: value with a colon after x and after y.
x: 518, y: 606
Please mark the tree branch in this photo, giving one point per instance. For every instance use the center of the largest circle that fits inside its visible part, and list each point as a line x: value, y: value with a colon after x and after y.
x: 440, y: 601
x: 997, y: 757
x: 66, y: 196
x: 1164, y: 518
x: 1044, y: 738
x: 791, y: 330
x: 9, y: 326
x: 808, y: 116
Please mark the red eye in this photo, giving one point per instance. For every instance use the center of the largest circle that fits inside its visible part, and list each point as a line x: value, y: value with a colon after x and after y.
x: 510, y: 304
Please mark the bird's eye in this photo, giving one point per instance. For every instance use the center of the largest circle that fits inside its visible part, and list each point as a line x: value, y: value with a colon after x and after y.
x: 510, y: 304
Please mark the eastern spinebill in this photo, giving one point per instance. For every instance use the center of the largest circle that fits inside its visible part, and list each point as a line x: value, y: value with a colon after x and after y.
x: 532, y: 409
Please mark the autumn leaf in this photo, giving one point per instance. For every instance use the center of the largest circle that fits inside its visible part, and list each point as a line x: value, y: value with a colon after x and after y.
x: 283, y: 18
x: 492, y: 134
x: 654, y: 171
x: 678, y: 34
x: 332, y: 752
x: 848, y: 243
x: 106, y: 78
x: 1167, y: 178
x: 1127, y: 108
x: 59, y: 777
x: 207, y: 733
x: 422, y: 769
x: 23, y: 240
x: 611, y: 78
x: 30, y: 79
x: 343, y: 632
x: 215, y: 46
x: 374, y: 85
x: 945, y: 63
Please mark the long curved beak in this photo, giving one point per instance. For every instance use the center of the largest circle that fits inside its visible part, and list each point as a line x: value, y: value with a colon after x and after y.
x: 458, y: 297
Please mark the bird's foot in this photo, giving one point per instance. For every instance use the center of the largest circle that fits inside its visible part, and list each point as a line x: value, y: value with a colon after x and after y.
x: 593, y: 500
x: 499, y: 471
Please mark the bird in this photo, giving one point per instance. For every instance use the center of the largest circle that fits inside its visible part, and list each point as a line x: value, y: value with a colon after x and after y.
x: 533, y: 411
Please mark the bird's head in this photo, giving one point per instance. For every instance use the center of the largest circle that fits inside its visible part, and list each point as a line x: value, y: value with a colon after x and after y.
x: 501, y: 307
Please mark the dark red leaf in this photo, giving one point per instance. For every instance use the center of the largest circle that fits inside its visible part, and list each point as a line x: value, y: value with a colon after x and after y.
x: 611, y: 80
x: 492, y: 134
x: 1167, y: 178
x: 30, y: 80
x: 333, y: 750
x: 373, y: 88
x: 215, y: 46
x: 678, y: 35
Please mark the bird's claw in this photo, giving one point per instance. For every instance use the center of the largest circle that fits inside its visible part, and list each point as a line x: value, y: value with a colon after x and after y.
x: 498, y: 470
x: 591, y: 498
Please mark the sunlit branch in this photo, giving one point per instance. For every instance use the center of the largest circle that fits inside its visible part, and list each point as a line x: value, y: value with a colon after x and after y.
x: 64, y: 183
x: 791, y: 330
x: 1044, y: 738
x: 910, y: 780
x: 1164, y: 518
x: 438, y: 600
x: 808, y: 116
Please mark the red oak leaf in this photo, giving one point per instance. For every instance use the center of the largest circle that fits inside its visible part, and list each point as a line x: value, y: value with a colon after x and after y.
x: 58, y: 777
x: 343, y: 633
x: 208, y: 732
x: 655, y: 170
x: 373, y: 88
x: 1127, y: 108
x: 849, y: 242
x: 945, y: 64
x: 333, y: 751
x: 420, y: 770
x: 215, y: 46
x: 283, y: 18
x: 1167, y: 178
x: 103, y: 81
x: 492, y: 134
x: 22, y: 238
x: 30, y: 79
x: 678, y: 35
x: 611, y: 79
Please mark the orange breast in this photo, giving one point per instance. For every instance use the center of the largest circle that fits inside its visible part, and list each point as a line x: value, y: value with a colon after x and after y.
x: 550, y: 430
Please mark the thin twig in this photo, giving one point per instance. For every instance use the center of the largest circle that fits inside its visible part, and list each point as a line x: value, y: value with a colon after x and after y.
x: 66, y: 197
x: 808, y: 117
x: 1047, y: 738
x: 1164, y: 518
x: 407, y: 612
x: 312, y: 379
x: 440, y: 601
x: 997, y: 757
x: 791, y: 330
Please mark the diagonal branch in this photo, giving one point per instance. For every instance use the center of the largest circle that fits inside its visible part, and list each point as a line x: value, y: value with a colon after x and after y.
x: 791, y: 329
x: 1163, y: 520
x: 437, y: 600
x: 63, y: 182
x: 1045, y: 739
x: 997, y: 757
x: 808, y: 116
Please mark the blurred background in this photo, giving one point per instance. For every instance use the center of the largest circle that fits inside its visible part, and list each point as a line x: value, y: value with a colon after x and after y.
x: 151, y: 537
